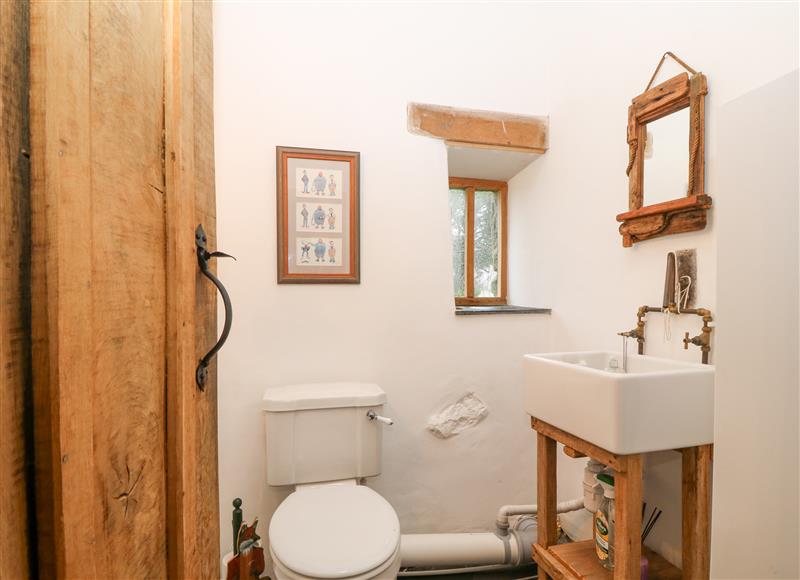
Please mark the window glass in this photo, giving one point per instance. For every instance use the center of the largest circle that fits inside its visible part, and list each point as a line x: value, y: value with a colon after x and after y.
x: 458, y: 230
x: 487, y: 244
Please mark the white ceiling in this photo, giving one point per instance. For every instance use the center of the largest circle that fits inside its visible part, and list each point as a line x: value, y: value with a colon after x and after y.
x: 483, y: 163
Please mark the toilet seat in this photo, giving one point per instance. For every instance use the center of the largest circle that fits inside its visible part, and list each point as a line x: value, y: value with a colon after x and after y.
x: 386, y: 571
x: 334, y: 531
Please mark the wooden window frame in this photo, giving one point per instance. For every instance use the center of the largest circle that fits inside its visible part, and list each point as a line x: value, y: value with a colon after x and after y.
x: 469, y: 186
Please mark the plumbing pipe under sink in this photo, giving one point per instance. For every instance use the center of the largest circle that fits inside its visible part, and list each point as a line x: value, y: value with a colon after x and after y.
x: 463, y: 552
x: 519, y: 510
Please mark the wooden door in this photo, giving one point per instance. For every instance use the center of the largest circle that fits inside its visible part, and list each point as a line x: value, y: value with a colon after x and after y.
x: 15, y: 380
x: 122, y: 171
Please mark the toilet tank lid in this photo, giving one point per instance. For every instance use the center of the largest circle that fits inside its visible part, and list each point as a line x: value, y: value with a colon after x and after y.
x: 322, y: 396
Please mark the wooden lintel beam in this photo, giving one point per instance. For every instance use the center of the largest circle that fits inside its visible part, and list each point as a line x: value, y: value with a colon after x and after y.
x: 492, y: 129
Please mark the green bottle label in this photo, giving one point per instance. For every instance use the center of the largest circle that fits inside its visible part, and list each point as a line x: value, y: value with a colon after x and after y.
x: 601, y: 535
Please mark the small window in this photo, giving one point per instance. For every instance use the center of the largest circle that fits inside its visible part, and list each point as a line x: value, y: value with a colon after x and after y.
x: 478, y: 232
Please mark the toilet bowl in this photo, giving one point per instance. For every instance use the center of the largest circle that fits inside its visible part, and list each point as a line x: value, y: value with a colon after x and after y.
x: 322, y: 439
x: 335, y: 530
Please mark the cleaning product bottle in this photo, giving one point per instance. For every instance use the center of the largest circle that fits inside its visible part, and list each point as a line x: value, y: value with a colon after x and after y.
x: 604, y: 520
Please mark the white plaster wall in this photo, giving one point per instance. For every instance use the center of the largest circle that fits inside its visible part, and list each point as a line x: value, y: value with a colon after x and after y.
x: 756, y: 426
x: 340, y: 76
x: 563, y: 229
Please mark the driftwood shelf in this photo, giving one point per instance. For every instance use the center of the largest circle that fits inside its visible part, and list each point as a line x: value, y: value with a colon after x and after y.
x: 576, y: 561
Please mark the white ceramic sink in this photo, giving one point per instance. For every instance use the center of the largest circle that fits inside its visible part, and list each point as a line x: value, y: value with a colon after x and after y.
x: 658, y: 404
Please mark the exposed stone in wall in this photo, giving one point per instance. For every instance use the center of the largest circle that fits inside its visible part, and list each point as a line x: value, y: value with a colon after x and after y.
x: 467, y: 412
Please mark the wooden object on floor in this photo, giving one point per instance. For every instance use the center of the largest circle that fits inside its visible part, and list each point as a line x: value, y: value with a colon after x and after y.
x: 469, y: 127
x: 578, y: 560
x: 249, y: 560
x: 684, y: 214
x: 122, y: 150
x: 16, y: 475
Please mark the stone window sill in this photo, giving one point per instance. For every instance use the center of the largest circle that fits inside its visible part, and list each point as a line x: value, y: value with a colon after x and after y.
x: 500, y: 309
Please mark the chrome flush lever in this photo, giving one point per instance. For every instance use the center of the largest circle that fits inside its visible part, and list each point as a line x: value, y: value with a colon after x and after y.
x: 373, y: 416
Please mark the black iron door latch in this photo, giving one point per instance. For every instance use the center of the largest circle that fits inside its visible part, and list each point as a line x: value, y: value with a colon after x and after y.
x: 203, y: 256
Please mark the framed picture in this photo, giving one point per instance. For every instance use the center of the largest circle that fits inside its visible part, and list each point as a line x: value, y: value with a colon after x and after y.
x: 318, y: 216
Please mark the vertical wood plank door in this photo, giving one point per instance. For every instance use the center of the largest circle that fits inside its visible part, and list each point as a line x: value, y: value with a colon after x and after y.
x: 15, y: 380
x: 122, y: 167
x: 192, y: 488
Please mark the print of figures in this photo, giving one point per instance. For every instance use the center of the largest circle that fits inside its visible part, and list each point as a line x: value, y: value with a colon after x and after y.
x: 319, y: 251
x: 319, y: 184
x: 311, y: 217
x: 305, y: 258
x: 304, y: 214
x: 319, y: 217
x: 316, y: 182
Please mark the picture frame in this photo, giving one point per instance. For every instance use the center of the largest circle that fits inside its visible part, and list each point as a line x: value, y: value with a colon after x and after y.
x: 318, y: 207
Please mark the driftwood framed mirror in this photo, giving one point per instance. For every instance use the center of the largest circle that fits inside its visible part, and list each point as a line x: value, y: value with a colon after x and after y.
x: 664, y: 124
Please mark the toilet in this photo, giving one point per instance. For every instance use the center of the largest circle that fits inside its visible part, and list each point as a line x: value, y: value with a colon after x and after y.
x: 323, y: 439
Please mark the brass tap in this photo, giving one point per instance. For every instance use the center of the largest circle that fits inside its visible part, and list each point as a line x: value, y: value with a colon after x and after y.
x: 638, y: 332
x: 695, y: 340
x: 703, y: 340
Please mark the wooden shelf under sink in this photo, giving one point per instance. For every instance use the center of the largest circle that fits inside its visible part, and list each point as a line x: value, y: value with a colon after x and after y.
x: 578, y: 560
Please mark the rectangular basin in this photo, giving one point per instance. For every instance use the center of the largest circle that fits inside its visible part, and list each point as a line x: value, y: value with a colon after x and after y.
x: 658, y: 404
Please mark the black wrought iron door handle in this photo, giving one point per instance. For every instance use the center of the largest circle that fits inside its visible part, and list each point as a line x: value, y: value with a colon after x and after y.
x: 203, y: 256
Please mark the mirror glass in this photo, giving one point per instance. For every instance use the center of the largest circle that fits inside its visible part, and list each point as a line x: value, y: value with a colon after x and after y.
x: 666, y: 158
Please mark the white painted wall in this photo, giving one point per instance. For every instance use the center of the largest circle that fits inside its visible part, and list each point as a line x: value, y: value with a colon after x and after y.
x: 756, y: 426
x: 564, y: 236
x: 340, y: 76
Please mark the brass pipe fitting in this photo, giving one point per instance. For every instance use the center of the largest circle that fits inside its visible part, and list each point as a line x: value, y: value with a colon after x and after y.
x: 640, y: 322
x: 703, y: 340
x: 638, y: 332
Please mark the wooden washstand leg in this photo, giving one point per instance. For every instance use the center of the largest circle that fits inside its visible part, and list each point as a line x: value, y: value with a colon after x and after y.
x: 628, y: 503
x: 546, y: 493
x: 696, y: 512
